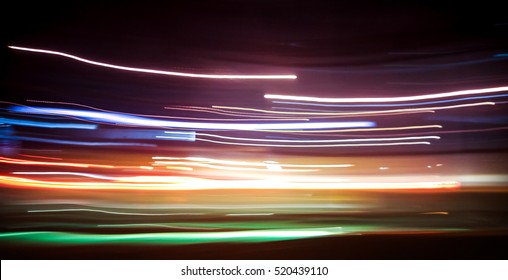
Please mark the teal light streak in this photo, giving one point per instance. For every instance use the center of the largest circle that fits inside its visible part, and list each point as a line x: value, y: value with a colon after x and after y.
x: 167, y: 237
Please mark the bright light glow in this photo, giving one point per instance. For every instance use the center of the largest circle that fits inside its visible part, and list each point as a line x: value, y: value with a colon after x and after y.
x: 80, y: 174
x: 317, y: 146
x: 148, y: 122
x: 386, y: 99
x: 171, y: 237
x: 391, y: 105
x: 153, y: 71
x: 206, y: 165
x: 168, y: 183
x: 47, y: 124
x: 365, y: 129
x: 318, y: 141
x: 244, y: 163
x: 251, y: 214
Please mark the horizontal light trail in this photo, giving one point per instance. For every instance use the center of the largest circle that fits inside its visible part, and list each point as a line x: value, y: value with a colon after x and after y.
x: 191, y: 183
x: 79, y: 143
x: 174, y: 237
x: 213, y: 207
x: 261, y: 118
x: 153, y: 71
x: 334, y: 113
x: 207, y: 165
x: 250, y: 116
x: 154, y: 225
x: 390, y: 105
x: 363, y: 129
x: 362, y: 113
x: 180, y: 168
x: 109, y: 212
x: 365, y: 136
x: 147, y: 122
x: 386, y: 99
x: 69, y: 164
x: 405, y: 134
x: 317, y: 141
x: 316, y: 146
x: 244, y: 163
x: 43, y: 157
x: 251, y: 214
x: 47, y: 124
x: 80, y: 174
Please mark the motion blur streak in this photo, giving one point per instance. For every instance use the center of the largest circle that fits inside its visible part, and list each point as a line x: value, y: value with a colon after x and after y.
x: 316, y: 146
x: 364, y: 129
x: 79, y: 143
x: 387, y: 99
x: 185, y: 108
x: 243, y: 163
x: 316, y: 141
x: 391, y: 105
x: 190, y: 183
x: 30, y: 162
x: 153, y: 71
x: 110, y: 212
x: 344, y: 123
x: 365, y: 113
x: 172, y: 237
x: 96, y: 176
x: 52, y: 158
x: 139, y: 121
x: 206, y: 165
x: 251, y: 116
x: 47, y: 124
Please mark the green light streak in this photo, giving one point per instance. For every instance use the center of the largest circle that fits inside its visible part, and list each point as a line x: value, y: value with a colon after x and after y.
x: 167, y: 237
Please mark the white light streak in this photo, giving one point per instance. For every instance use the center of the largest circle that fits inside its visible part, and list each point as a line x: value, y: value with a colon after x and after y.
x: 363, y: 113
x: 244, y: 163
x: 149, y: 122
x: 153, y: 71
x: 110, y: 212
x: 317, y: 141
x: 316, y: 146
x: 386, y: 99
x: 251, y: 214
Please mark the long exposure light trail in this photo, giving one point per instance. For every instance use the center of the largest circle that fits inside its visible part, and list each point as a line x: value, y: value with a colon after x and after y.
x: 316, y: 141
x: 315, y: 146
x: 389, y: 105
x: 386, y: 99
x: 43, y: 157
x: 47, y: 124
x: 79, y: 143
x: 68, y: 164
x: 154, y: 225
x: 206, y: 165
x: 80, y: 174
x: 153, y: 71
x: 183, y: 108
x: 362, y: 129
x: 189, y: 183
x: 109, y: 212
x: 172, y: 237
x: 243, y: 163
x: 250, y: 116
x: 362, y: 113
x: 148, y: 122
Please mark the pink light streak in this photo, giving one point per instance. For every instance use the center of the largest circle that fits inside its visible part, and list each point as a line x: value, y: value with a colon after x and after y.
x: 153, y: 71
